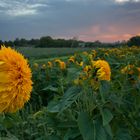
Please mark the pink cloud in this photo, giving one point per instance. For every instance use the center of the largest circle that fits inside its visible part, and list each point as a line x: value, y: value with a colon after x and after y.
x: 110, y: 33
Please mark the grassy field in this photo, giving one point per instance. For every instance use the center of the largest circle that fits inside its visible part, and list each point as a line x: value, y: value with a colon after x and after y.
x: 93, y: 95
x: 39, y: 53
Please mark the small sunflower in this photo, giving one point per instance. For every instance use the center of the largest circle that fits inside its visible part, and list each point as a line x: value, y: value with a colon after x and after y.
x: 71, y: 59
x: 15, y: 80
x: 44, y: 66
x: 62, y: 65
x: 94, y: 53
x: 36, y: 65
x: 85, y: 53
x: 49, y: 64
x: 57, y: 60
x: 87, y: 69
x: 131, y: 70
x: 80, y: 64
x: 102, y: 70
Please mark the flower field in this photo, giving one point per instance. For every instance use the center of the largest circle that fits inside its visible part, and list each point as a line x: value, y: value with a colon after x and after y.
x: 92, y: 95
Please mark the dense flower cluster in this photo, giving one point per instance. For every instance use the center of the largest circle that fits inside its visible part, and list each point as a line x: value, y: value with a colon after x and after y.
x: 15, y: 80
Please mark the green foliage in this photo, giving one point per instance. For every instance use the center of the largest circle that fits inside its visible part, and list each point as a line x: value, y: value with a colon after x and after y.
x: 61, y: 110
x: 134, y: 41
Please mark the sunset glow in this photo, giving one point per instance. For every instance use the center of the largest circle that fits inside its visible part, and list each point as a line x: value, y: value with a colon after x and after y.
x: 88, y: 20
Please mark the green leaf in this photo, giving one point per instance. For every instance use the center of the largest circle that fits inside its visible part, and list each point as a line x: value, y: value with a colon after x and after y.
x: 68, y: 98
x: 109, y: 131
x: 53, y: 137
x: 53, y: 107
x: 71, y: 134
x: 123, y: 134
x: 104, y: 89
x: 100, y: 131
x: 106, y: 116
x: 86, y: 126
x: 67, y: 124
x: 51, y: 88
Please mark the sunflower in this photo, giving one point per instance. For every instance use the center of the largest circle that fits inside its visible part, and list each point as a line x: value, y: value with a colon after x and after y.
x: 71, y: 59
x: 87, y: 69
x: 43, y: 66
x: 62, y: 65
x: 15, y: 80
x: 49, y: 64
x: 102, y: 70
x: 131, y: 70
x: 94, y: 53
x: 80, y: 63
x: 36, y: 65
x: 57, y: 60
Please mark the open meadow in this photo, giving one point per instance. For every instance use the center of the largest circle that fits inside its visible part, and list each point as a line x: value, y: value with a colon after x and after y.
x: 39, y: 53
x: 77, y: 94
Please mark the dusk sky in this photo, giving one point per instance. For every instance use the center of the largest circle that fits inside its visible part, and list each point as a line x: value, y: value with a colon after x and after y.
x: 88, y: 20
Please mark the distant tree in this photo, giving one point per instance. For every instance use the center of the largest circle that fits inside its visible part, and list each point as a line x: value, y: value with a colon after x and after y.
x: 23, y: 42
x: 134, y: 41
x: 17, y: 42
x: 34, y: 42
x: 74, y: 42
x: 8, y: 43
x: 20, y: 42
x: 46, y: 41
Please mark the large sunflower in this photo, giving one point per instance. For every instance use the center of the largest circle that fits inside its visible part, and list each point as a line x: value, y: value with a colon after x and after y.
x: 102, y: 70
x: 15, y: 80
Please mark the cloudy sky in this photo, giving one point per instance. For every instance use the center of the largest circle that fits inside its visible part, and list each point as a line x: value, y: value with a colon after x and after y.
x: 89, y: 20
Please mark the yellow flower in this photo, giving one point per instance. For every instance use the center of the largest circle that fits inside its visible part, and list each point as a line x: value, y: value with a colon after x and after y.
x: 80, y: 80
x: 85, y: 53
x: 106, y: 54
x: 44, y: 66
x: 36, y: 65
x: 131, y: 69
x: 50, y: 64
x: 77, y: 81
x: 15, y: 80
x: 90, y: 57
x: 57, y: 61
x: 128, y: 69
x: 62, y: 65
x: 71, y: 59
x: 87, y: 69
x: 94, y: 53
x: 102, y: 70
x: 80, y: 64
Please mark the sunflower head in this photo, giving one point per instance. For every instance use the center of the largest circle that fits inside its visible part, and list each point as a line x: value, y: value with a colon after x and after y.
x: 85, y: 53
x: 102, y: 70
x: 131, y: 70
x: 80, y: 63
x: 57, y: 60
x: 49, y: 64
x: 94, y: 53
x: 71, y: 59
x: 15, y: 80
x: 87, y: 69
x: 36, y: 65
x: 44, y: 66
x: 62, y: 65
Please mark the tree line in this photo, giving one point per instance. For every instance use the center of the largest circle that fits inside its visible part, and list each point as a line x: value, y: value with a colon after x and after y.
x: 49, y: 42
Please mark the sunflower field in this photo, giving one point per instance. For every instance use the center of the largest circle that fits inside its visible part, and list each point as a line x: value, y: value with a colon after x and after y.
x: 92, y: 95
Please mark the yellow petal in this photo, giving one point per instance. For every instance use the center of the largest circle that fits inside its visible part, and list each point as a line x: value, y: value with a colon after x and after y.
x: 3, y: 77
x: 1, y: 62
